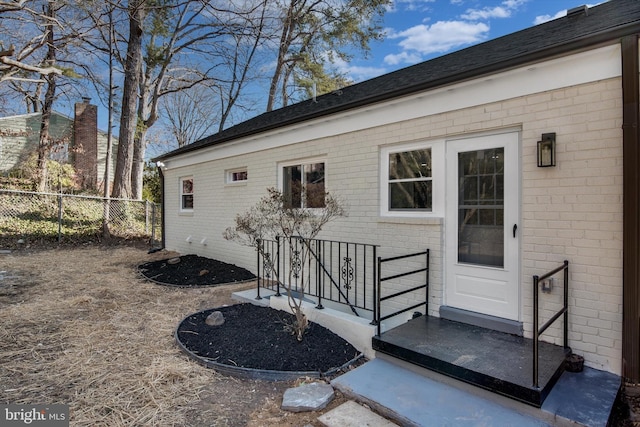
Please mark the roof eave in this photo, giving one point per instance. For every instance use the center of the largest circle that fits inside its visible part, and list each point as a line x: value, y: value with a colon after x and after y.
x: 577, y: 44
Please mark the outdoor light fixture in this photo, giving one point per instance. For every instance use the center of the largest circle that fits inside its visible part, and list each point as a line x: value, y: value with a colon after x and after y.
x: 547, y: 150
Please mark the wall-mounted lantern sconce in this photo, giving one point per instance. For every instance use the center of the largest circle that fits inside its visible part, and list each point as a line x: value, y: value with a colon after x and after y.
x: 547, y: 150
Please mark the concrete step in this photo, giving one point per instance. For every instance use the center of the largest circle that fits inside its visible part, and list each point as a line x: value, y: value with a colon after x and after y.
x: 411, y: 398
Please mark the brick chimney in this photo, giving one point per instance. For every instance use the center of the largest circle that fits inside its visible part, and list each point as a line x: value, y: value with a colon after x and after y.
x: 85, y: 141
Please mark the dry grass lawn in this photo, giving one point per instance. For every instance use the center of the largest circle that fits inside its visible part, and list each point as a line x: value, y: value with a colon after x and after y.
x: 80, y: 327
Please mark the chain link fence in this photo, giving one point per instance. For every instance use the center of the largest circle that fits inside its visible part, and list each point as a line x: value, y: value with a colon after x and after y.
x: 38, y: 217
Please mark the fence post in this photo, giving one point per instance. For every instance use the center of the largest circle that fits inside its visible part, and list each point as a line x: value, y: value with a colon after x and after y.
x: 59, y: 218
x: 146, y: 216
x: 153, y: 224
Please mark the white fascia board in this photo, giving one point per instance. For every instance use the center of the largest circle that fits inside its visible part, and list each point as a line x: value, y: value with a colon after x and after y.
x: 580, y: 68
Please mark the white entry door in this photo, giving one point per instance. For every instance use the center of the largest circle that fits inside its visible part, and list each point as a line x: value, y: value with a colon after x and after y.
x: 482, y: 234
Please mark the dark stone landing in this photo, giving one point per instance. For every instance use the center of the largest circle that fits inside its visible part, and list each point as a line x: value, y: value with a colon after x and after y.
x: 496, y: 361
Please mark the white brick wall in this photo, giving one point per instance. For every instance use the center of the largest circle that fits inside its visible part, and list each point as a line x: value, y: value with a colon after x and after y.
x: 572, y: 211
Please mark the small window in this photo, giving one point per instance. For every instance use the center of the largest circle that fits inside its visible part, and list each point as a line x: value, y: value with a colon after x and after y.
x: 303, y: 185
x: 186, y: 194
x: 410, y: 180
x: 237, y: 176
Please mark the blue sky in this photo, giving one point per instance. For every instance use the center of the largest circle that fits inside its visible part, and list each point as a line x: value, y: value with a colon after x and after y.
x: 417, y: 30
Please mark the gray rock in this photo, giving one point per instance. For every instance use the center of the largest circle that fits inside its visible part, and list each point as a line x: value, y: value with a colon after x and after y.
x: 215, y: 319
x: 173, y: 261
x: 307, y: 397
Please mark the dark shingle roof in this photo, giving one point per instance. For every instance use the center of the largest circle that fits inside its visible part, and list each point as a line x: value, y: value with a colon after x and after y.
x: 598, y: 24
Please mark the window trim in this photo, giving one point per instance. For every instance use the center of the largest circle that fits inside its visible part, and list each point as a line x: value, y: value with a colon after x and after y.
x: 181, y: 193
x: 437, y: 179
x: 301, y: 162
x: 229, y: 174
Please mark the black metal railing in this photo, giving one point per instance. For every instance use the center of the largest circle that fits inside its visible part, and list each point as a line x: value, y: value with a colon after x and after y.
x: 537, y: 331
x: 327, y: 270
x: 378, y: 318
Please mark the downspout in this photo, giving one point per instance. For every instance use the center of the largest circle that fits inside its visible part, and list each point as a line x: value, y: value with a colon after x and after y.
x: 631, y: 211
x: 162, y: 208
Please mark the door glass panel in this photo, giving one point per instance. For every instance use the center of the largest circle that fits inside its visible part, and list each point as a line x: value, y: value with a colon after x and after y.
x: 481, y: 207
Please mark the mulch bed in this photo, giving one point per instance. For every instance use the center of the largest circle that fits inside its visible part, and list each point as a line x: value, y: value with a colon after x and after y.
x: 251, y: 337
x: 258, y: 338
x: 194, y: 270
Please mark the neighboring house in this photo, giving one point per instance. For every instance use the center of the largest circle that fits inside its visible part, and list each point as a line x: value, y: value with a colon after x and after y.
x: 77, y: 141
x: 444, y: 155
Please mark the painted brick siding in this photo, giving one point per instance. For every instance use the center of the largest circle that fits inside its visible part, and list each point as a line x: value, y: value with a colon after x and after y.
x: 572, y: 211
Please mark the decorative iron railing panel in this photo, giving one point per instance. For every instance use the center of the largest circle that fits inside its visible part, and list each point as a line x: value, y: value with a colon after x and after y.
x: 326, y: 270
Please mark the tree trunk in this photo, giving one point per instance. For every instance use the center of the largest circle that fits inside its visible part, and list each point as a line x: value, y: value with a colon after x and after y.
x: 285, y: 43
x: 137, y: 168
x: 44, y: 144
x: 129, y: 117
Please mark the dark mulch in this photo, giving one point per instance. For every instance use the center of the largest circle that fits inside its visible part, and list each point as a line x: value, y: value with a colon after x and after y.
x: 194, y: 270
x: 251, y: 337
x: 256, y: 337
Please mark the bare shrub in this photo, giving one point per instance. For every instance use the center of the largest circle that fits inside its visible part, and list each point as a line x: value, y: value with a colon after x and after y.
x: 272, y: 218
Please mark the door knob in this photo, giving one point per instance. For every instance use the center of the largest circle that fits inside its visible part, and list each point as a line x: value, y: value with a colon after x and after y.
x: 515, y: 228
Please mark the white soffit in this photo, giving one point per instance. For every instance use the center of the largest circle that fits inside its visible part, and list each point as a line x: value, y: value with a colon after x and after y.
x: 585, y: 67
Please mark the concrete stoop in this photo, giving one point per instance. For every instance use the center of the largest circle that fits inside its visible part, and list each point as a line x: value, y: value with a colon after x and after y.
x: 413, y: 396
x: 398, y: 392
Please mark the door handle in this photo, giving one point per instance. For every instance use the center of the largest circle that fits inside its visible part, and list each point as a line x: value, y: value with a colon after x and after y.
x: 515, y: 228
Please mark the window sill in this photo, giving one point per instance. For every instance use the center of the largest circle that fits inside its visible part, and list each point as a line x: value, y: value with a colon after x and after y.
x: 410, y: 220
x: 185, y: 213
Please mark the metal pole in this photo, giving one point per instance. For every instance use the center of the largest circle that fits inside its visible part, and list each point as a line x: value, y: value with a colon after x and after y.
x: 318, y: 278
x: 566, y: 304
x: 259, y: 243
x: 278, y: 266
x: 426, y: 302
x: 153, y: 224
x: 59, y: 218
x: 379, y: 294
x: 375, y: 288
x: 535, y: 331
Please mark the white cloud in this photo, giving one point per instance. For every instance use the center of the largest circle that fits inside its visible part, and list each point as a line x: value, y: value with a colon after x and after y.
x: 486, y: 13
x: 546, y: 18
x: 410, y: 5
x: 505, y: 10
x: 402, y: 58
x: 439, y: 37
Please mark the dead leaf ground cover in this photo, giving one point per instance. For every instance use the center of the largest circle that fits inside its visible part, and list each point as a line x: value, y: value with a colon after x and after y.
x: 79, y: 326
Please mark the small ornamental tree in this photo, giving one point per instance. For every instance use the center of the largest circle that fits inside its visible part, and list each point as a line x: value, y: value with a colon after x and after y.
x: 272, y: 218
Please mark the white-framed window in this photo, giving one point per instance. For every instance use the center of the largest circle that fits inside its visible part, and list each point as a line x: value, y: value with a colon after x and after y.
x: 186, y: 194
x: 412, y: 180
x: 237, y: 176
x: 303, y: 183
